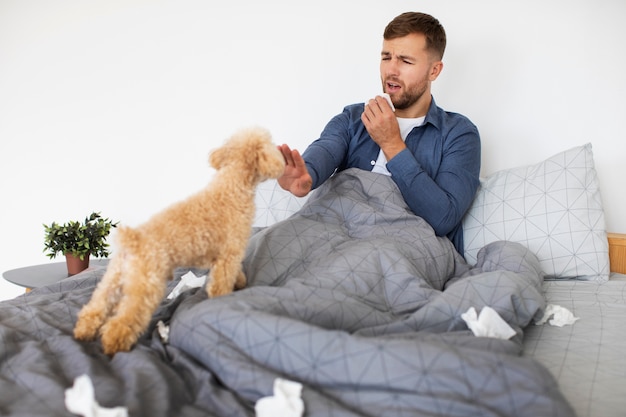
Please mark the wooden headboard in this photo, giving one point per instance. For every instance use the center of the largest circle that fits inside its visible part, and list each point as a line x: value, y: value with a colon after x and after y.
x: 617, y: 252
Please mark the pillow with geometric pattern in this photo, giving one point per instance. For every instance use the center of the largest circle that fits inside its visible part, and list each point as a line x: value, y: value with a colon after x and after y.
x: 553, y: 208
x: 273, y: 204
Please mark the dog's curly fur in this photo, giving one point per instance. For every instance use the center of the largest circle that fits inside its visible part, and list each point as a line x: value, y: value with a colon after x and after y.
x: 207, y: 230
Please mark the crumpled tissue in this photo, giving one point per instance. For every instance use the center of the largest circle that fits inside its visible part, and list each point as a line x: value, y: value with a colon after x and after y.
x: 560, y: 316
x: 286, y: 401
x: 80, y: 399
x: 164, y: 331
x: 487, y: 324
x: 187, y: 281
x: 386, y: 97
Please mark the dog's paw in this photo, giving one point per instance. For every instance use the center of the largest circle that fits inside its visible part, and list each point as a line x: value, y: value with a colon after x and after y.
x: 241, y: 281
x: 117, y: 337
x: 215, y: 290
x: 85, y: 330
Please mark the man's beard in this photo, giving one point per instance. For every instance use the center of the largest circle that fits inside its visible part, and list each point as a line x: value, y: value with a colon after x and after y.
x: 409, y: 97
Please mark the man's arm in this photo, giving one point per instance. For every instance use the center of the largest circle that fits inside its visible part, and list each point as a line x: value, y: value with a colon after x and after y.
x: 442, y: 200
x: 320, y: 160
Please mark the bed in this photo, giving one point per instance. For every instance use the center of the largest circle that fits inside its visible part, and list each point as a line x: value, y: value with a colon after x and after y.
x: 358, y: 306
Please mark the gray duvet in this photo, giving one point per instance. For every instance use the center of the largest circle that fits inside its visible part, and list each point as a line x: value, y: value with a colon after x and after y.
x: 353, y: 296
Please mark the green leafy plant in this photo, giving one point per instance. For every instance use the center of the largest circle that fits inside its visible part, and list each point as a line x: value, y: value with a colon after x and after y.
x: 79, y: 239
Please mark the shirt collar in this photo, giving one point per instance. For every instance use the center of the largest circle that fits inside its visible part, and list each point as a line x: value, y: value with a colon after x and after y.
x: 433, y: 116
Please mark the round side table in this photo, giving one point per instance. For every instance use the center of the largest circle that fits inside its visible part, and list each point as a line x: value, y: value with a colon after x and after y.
x: 35, y: 276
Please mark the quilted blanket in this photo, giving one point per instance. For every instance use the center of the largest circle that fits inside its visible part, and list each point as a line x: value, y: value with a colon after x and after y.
x: 353, y: 297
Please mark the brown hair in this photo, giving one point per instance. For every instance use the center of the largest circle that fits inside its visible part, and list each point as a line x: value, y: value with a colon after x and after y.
x: 415, y: 22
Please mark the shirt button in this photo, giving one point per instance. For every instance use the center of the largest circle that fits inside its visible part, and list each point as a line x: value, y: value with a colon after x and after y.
x: 373, y: 162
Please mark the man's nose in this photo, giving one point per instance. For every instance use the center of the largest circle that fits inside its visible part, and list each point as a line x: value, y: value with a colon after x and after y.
x: 390, y: 67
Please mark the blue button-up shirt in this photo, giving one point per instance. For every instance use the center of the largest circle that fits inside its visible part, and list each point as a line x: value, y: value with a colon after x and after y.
x: 438, y: 173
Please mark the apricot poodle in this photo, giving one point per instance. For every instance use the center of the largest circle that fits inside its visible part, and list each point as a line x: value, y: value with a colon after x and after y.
x: 208, y: 230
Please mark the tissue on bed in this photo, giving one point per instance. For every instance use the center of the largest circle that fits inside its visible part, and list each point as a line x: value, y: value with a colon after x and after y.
x: 164, y: 331
x: 487, y: 324
x: 187, y: 281
x: 80, y: 400
x: 560, y: 316
x: 285, y: 402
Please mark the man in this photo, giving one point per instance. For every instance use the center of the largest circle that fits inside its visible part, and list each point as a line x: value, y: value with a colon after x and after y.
x: 432, y: 155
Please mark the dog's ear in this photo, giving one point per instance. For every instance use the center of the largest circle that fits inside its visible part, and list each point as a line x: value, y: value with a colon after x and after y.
x: 217, y: 158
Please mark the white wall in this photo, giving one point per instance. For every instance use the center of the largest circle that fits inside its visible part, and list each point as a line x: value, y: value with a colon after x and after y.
x: 121, y: 101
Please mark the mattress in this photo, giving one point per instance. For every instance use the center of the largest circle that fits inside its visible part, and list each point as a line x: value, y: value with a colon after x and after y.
x: 588, y: 359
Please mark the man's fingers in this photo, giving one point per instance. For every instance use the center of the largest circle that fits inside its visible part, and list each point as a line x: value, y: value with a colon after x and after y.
x: 287, y: 154
x: 297, y: 159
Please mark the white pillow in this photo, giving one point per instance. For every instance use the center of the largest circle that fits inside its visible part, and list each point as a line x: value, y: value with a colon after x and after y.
x: 553, y: 208
x: 274, y: 204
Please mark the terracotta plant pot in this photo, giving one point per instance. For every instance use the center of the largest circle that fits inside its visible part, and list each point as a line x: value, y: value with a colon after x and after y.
x: 75, y: 264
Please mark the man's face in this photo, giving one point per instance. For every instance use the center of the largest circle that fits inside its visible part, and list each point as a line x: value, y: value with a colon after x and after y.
x: 406, y: 70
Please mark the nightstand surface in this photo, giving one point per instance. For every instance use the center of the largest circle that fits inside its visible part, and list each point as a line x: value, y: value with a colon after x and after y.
x: 35, y: 276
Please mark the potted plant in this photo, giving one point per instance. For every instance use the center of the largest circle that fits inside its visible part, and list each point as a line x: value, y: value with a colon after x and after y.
x: 77, y: 241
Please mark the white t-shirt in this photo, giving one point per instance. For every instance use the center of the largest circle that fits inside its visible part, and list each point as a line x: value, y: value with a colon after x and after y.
x: 406, y: 125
